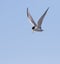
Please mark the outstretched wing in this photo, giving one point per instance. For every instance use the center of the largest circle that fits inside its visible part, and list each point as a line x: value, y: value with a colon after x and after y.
x: 41, y: 18
x: 30, y: 18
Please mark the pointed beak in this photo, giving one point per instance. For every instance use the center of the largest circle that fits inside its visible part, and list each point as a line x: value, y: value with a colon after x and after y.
x: 32, y: 30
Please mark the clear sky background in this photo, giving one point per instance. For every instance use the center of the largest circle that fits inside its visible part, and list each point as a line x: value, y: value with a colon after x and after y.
x: 18, y: 44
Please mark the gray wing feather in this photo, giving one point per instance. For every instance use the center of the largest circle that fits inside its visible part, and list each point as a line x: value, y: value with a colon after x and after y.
x: 30, y: 18
x: 41, y: 18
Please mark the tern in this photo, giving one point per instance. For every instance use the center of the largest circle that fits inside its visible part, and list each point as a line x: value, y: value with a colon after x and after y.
x: 36, y: 27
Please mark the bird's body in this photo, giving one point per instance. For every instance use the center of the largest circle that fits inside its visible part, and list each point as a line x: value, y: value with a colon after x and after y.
x: 36, y: 27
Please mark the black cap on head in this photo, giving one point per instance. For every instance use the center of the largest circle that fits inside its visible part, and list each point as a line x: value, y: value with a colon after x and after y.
x: 33, y: 27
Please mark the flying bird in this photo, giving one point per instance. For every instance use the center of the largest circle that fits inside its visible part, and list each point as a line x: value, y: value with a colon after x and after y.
x: 36, y: 27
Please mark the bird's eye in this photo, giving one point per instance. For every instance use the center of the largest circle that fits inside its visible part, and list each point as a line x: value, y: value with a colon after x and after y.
x: 33, y: 27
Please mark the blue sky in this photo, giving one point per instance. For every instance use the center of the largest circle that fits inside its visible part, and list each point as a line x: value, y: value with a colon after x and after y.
x: 18, y: 44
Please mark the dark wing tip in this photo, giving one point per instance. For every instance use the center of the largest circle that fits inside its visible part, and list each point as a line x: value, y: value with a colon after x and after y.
x: 46, y: 11
x: 48, y: 8
x: 27, y: 11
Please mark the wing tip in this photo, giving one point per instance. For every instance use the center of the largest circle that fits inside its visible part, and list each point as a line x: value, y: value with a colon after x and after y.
x: 48, y: 8
x: 27, y: 11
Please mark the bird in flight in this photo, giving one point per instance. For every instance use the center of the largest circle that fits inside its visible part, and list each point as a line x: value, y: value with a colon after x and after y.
x: 36, y: 27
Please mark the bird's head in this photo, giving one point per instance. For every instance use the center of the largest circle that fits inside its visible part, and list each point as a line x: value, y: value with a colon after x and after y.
x: 33, y: 28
